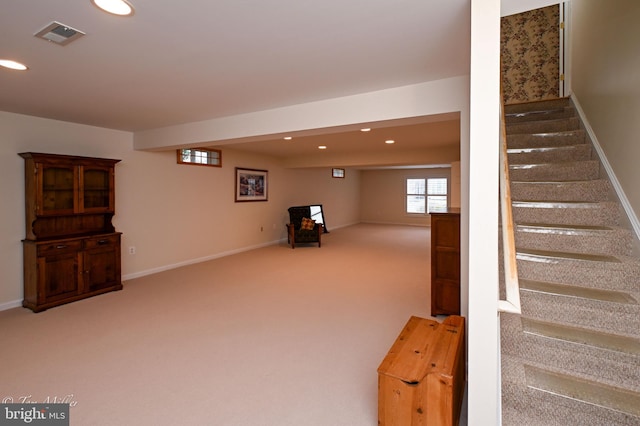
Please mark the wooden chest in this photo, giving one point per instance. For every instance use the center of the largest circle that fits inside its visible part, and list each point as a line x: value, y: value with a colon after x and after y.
x: 421, y: 380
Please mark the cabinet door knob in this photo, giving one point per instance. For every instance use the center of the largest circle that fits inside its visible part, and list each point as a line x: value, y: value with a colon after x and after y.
x: 61, y: 246
x: 102, y: 242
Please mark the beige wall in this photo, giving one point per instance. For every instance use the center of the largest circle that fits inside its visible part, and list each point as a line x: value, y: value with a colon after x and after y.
x: 382, y: 195
x: 173, y: 214
x: 339, y: 197
x: 605, y: 79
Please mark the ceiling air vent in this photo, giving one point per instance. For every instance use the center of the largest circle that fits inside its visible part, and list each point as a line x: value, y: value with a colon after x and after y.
x: 59, y: 33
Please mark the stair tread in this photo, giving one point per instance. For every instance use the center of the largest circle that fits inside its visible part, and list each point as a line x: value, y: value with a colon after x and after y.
x: 557, y: 133
x: 543, y: 149
x: 580, y: 335
x: 565, y: 228
x: 528, y: 254
x: 543, y: 121
x: 554, y: 182
x: 535, y: 126
x: 580, y: 389
x: 555, y: 164
x: 577, y: 291
x: 560, y: 204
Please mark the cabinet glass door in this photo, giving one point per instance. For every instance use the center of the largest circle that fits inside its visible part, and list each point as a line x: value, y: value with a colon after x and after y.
x: 96, y: 188
x: 57, y: 189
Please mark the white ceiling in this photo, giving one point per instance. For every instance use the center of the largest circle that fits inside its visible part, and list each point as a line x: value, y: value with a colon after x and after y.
x: 181, y: 61
x: 176, y: 62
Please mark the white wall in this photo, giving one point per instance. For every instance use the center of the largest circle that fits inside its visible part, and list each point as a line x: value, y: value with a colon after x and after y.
x: 511, y: 7
x: 428, y: 98
x: 483, y: 366
x: 605, y: 78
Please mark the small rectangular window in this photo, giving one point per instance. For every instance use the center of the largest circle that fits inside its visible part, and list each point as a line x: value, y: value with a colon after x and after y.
x: 337, y: 173
x: 200, y: 157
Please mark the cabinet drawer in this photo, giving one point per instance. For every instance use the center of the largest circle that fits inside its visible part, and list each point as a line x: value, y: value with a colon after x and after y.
x: 59, y: 247
x: 103, y: 241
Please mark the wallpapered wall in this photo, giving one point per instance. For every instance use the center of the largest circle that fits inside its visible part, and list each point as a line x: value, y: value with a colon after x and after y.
x: 530, y: 55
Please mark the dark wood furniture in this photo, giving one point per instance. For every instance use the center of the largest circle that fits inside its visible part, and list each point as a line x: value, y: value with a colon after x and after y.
x: 71, y: 249
x: 421, y: 380
x: 445, y: 262
x: 296, y: 232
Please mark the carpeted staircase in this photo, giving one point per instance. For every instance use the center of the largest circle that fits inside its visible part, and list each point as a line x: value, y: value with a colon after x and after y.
x: 573, y: 356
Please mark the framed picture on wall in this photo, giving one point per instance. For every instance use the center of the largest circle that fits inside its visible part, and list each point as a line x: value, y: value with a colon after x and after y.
x: 251, y: 184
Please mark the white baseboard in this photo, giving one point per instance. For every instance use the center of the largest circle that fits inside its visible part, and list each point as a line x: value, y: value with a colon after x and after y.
x: 212, y: 257
x: 633, y: 219
x: 197, y: 260
x: 10, y: 305
x: 373, y: 222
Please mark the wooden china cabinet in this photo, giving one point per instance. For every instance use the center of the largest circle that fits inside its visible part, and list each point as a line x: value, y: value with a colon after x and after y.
x: 445, y: 262
x: 71, y: 249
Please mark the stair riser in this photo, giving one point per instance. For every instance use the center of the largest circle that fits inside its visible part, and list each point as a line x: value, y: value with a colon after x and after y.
x: 622, y: 277
x: 537, y: 106
x: 576, y: 137
x: 604, y: 214
x: 573, y: 153
x: 544, y: 126
x: 590, y: 191
x: 582, y: 312
x: 555, y: 172
x: 601, y: 242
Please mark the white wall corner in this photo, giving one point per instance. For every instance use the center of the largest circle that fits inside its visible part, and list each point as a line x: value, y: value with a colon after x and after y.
x: 628, y: 209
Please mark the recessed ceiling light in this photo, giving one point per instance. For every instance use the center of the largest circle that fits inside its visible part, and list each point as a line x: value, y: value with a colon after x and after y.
x: 322, y: 147
x: 365, y: 129
x: 8, y: 63
x: 389, y: 141
x: 287, y: 138
x: 116, y: 7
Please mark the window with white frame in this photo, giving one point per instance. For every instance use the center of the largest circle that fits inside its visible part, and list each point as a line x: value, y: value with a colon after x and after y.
x: 200, y: 157
x: 424, y: 195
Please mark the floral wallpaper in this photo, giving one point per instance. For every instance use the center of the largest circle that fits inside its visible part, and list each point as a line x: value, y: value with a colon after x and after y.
x: 530, y: 55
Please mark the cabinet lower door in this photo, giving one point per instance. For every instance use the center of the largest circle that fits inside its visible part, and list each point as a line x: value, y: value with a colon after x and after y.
x: 58, y: 277
x: 101, y: 268
x: 445, y: 299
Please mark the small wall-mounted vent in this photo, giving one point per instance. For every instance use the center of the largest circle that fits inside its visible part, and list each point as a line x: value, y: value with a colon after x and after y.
x: 59, y: 33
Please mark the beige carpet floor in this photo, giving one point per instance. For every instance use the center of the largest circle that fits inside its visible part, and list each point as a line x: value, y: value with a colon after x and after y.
x: 270, y: 337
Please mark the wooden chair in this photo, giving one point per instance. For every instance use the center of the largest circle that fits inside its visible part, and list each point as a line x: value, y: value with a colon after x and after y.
x: 301, y: 228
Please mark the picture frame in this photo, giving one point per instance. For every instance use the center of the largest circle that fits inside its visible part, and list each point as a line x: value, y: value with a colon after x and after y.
x: 251, y: 184
x: 337, y: 173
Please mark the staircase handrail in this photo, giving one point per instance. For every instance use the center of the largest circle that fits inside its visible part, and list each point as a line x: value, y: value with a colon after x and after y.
x: 511, y: 303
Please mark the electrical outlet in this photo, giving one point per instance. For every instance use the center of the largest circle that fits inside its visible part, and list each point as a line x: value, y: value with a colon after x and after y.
x: 132, y: 250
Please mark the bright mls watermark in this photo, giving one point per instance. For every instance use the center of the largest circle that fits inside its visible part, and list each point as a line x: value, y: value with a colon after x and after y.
x: 34, y: 414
